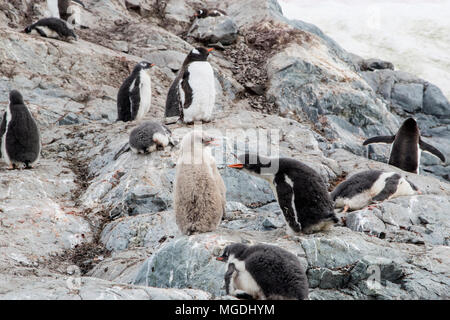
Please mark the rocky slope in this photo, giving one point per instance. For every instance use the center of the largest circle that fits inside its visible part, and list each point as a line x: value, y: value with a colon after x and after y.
x: 83, y: 226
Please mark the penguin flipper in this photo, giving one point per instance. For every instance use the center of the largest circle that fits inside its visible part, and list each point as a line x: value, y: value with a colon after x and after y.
x: 228, y: 275
x: 2, y: 131
x: 285, y: 193
x: 390, y: 186
x: 135, y: 99
x: 379, y: 139
x: 429, y: 148
x: 125, y: 148
x: 173, y: 100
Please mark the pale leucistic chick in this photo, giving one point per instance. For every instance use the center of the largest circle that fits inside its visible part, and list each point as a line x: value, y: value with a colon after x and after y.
x: 199, y: 191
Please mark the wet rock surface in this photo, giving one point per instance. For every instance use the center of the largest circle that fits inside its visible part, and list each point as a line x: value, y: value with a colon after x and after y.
x: 82, y: 225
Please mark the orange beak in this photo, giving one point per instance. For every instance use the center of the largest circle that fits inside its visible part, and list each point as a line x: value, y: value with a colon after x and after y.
x: 213, y: 143
x: 210, y: 49
x: 152, y: 65
x: 236, y: 165
x: 219, y: 258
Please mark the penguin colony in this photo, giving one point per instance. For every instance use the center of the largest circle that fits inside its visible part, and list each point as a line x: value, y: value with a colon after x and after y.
x: 253, y: 272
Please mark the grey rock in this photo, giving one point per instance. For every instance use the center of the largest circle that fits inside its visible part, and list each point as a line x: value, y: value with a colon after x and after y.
x: 214, y: 29
x: 408, y: 96
x: 434, y: 102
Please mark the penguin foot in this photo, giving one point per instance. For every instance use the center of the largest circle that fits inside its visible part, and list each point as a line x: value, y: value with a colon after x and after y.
x: 346, y: 207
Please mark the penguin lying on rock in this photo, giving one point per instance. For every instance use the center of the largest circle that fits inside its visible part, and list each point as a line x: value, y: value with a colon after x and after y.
x: 20, y: 137
x: 406, y: 146
x: 52, y: 28
x: 135, y: 94
x: 192, y: 95
x: 300, y: 191
x: 263, y: 272
x: 146, y: 138
x: 371, y: 186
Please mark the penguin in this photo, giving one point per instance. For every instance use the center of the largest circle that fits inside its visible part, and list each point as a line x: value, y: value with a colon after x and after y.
x: 192, y: 95
x: 135, y: 94
x: 52, y: 28
x: 52, y: 6
x: 70, y: 10
x: 146, y: 138
x: 203, y: 13
x: 20, y: 137
x: 199, y: 191
x: 371, y: 186
x: 406, y: 147
x: 263, y: 272
x: 299, y: 190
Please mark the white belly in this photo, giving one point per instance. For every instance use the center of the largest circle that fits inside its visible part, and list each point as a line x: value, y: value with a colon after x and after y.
x: 202, y: 83
x: 52, y: 6
x: 48, y: 32
x: 145, y: 89
x: 242, y: 281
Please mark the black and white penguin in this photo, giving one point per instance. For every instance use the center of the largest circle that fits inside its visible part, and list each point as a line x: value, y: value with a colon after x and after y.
x: 70, y: 10
x: 20, y: 138
x: 204, y: 12
x: 406, y: 147
x: 52, y: 28
x: 135, y: 94
x: 300, y: 191
x: 263, y: 272
x: 371, y: 186
x: 192, y: 95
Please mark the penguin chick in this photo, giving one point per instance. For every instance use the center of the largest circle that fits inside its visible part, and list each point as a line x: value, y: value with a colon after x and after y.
x: 150, y: 136
x: 135, y: 94
x: 263, y: 272
x: 406, y: 147
x: 199, y: 191
x: 204, y: 12
x: 192, y: 95
x: 20, y: 138
x: 300, y: 191
x: 52, y: 28
x: 370, y: 186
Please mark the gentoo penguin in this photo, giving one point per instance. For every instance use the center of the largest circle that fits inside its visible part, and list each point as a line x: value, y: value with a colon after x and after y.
x: 406, y: 147
x: 20, y: 138
x: 70, y: 10
x: 52, y: 28
x: 203, y: 13
x: 263, y: 272
x: 135, y: 94
x: 192, y: 94
x: 199, y: 191
x: 371, y: 186
x: 300, y: 191
x: 52, y: 6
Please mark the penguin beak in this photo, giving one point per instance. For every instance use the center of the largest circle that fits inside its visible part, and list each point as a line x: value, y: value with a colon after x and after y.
x: 212, y: 143
x: 210, y: 49
x: 220, y: 258
x: 152, y: 65
x: 236, y: 166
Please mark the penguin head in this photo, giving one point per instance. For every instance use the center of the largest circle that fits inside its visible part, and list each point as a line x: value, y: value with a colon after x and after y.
x: 199, y: 54
x: 196, y: 139
x: 410, y: 128
x: 254, y: 164
x: 201, y: 13
x: 233, y: 250
x: 143, y: 65
x: 15, y: 97
x: 27, y: 29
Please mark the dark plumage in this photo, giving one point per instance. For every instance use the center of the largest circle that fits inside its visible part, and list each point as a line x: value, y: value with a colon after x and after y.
x: 204, y: 12
x: 278, y: 273
x: 133, y: 91
x: 52, y: 28
x: 405, y: 152
x: 294, y: 182
x: 150, y: 136
x: 20, y: 139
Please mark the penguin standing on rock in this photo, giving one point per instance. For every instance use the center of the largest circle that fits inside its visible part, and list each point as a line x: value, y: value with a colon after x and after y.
x: 52, y: 28
x: 146, y: 138
x: 263, y: 272
x: 20, y: 138
x: 192, y: 95
x: 300, y: 191
x: 406, y: 147
x: 371, y: 186
x: 135, y: 94
x: 199, y: 191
